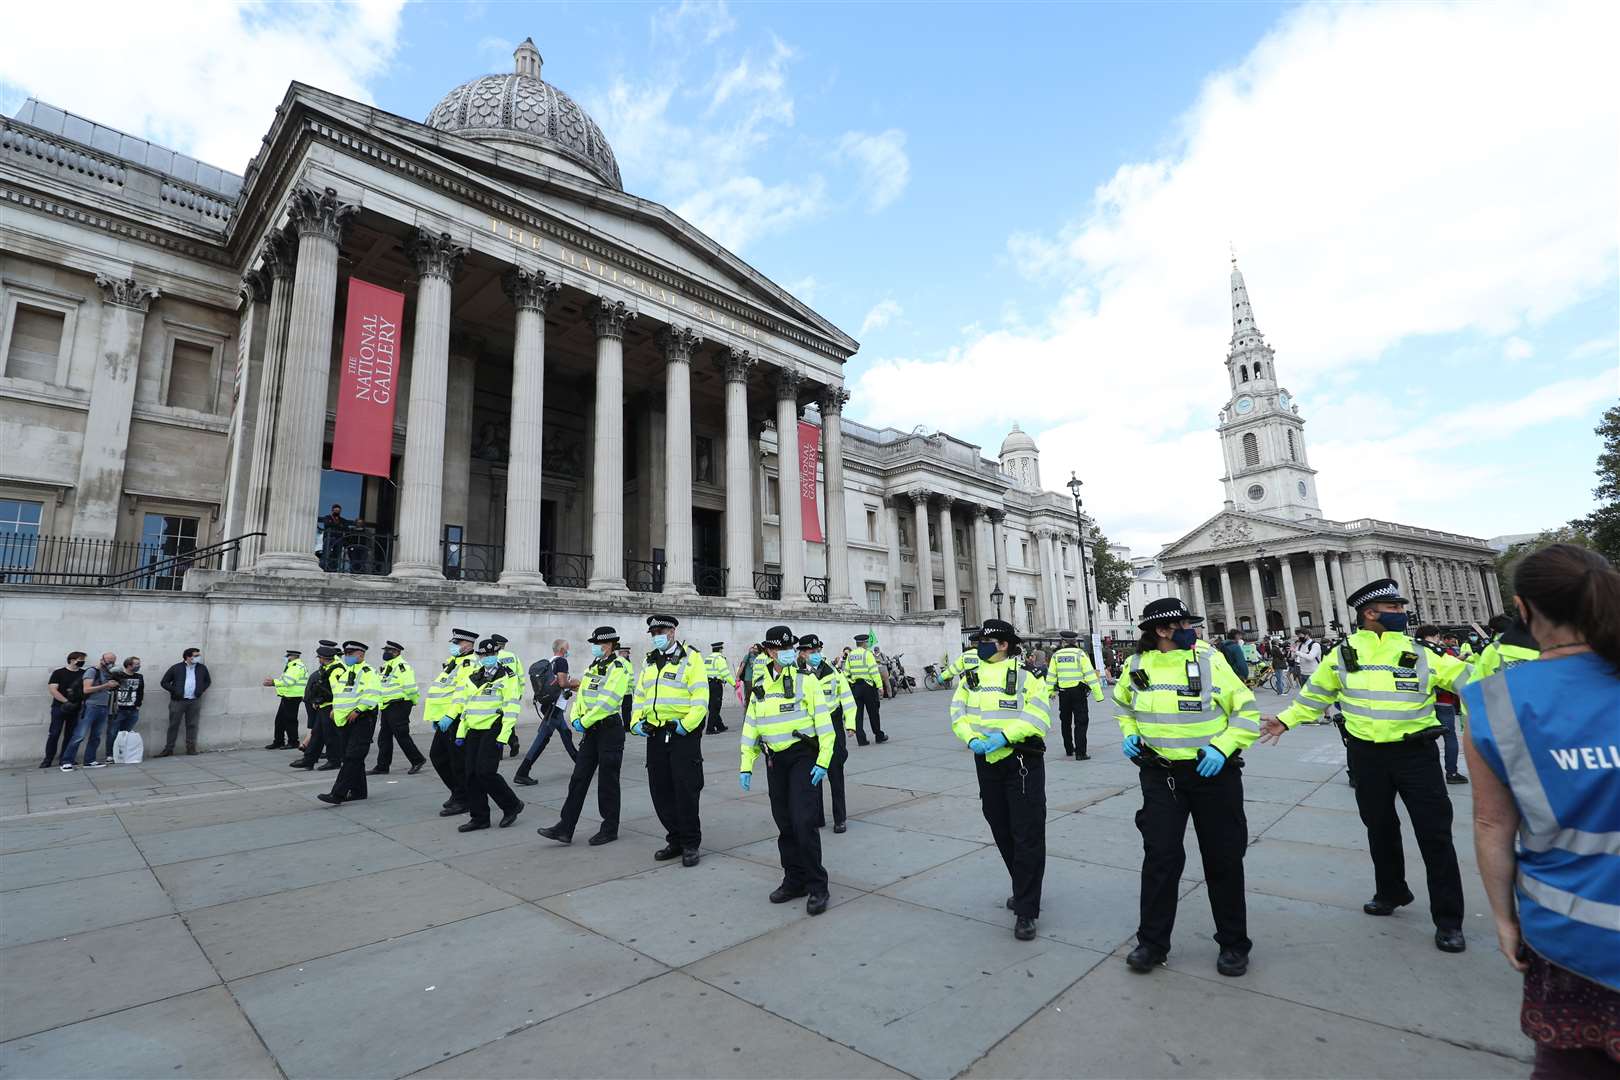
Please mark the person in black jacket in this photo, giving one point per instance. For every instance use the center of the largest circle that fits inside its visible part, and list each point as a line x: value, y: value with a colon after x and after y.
x: 318, y: 704
x: 186, y: 683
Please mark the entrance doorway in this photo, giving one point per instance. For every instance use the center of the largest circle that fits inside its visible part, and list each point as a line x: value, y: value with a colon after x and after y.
x: 707, y: 546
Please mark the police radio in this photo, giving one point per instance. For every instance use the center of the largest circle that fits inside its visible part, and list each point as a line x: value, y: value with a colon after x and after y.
x: 1195, y: 680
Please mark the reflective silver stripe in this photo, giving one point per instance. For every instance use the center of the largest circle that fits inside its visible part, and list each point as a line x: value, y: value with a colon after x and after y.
x: 1304, y: 702
x: 1386, y: 695
x: 1176, y: 719
x: 1352, y: 709
x: 1591, y: 912
x: 1176, y: 744
x: 1242, y: 721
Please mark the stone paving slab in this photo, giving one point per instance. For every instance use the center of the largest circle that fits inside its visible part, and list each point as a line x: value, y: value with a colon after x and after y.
x: 550, y: 868
x: 206, y: 882
x: 58, y: 910
x: 205, y: 841
x: 69, y: 862
x: 870, y: 856
x: 161, y: 816
x: 23, y: 834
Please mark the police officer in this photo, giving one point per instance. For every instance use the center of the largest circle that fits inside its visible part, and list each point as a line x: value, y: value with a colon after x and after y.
x: 1186, y: 718
x: 597, y: 713
x: 969, y: 658
x: 671, y: 705
x: 719, y: 679
x: 356, y: 696
x: 399, y: 695
x: 867, y: 684
x: 509, y: 659
x: 790, y: 719
x: 318, y: 709
x: 1002, y: 710
x: 491, y: 698
x: 1512, y: 646
x: 443, y: 710
x: 1074, y: 676
x: 1385, y: 682
x: 841, y: 711
x: 289, y: 700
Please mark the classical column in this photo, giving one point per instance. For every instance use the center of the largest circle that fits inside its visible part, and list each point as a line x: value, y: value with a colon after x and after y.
x: 251, y: 329
x: 832, y: 439
x: 790, y: 513
x: 983, y: 608
x: 998, y: 540
x: 1397, y: 570
x: 1046, y: 607
x: 925, y: 557
x: 1290, y: 596
x: 1229, y: 607
x: 1257, y: 596
x: 437, y: 258
x: 947, y: 553
x: 295, y: 470
x: 277, y: 254
x: 1324, y: 596
x: 678, y: 343
x: 893, y: 586
x: 1192, y: 591
x: 609, y: 317
x: 1340, y: 611
x: 124, y: 302
x: 736, y: 364
x: 456, y: 476
x: 1493, y: 591
x: 531, y: 294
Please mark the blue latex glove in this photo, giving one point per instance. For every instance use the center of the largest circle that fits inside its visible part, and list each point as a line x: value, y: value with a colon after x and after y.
x: 639, y: 728
x: 744, y: 780
x: 577, y: 726
x: 675, y: 728
x: 817, y: 775
x: 979, y: 745
x: 1210, y: 761
x: 442, y: 725
x: 1133, y: 746
x: 461, y: 742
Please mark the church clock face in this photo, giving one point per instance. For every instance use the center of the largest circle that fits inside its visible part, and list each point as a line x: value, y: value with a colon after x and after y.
x: 1245, y: 404
x: 1283, y: 399
x: 1302, y: 491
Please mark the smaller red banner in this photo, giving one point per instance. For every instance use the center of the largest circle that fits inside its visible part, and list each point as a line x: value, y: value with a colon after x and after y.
x: 809, y: 455
x: 363, y: 437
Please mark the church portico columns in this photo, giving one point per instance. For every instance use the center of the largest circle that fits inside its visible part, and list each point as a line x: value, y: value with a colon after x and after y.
x: 278, y: 253
x: 736, y: 365
x: 1493, y: 591
x: 1324, y: 596
x: 421, y: 490
x: 983, y: 609
x: 1229, y: 608
x: 1257, y: 599
x: 947, y: 552
x: 1191, y: 587
x: 1339, y: 612
x: 832, y: 439
x: 998, y: 541
x: 295, y: 487
x: 925, y: 559
x: 892, y: 604
x: 1290, y: 596
x: 609, y: 318
x: 678, y: 343
x: 790, y: 514
x: 530, y: 294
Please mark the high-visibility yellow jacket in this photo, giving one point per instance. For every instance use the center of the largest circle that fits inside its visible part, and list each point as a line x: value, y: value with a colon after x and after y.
x: 862, y: 666
x: 785, y: 707
x: 602, y: 689
x: 509, y: 660
x: 1384, y: 684
x: 839, y: 694
x: 966, y: 662
x: 490, y: 701
x: 355, y: 690
x: 1499, y: 656
x: 444, y: 695
x: 1070, y: 667
x: 720, y: 668
x: 1192, y: 699
x: 398, y: 682
x: 1004, y: 696
x: 673, y: 689
x: 290, y: 683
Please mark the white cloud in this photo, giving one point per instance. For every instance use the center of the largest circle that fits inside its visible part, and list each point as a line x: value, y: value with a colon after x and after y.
x: 736, y: 211
x: 201, y: 77
x: 695, y: 19
x: 1386, y: 176
x: 881, y: 158
x: 882, y: 314
x: 1516, y: 348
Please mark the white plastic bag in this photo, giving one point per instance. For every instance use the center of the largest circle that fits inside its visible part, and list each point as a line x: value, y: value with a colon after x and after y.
x: 128, y: 748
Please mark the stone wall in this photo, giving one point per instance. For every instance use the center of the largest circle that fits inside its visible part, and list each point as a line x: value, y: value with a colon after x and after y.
x: 243, y: 623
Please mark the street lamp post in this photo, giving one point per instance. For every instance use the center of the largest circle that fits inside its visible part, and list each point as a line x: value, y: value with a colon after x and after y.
x: 996, y: 597
x: 1074, y: 486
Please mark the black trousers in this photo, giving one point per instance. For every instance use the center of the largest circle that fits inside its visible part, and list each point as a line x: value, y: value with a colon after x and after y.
x: 867, y: 702
x: 601, y: 745
x: 323, y: 739
x: 450, y: 762
x: 63, y: 719
x: 795, y: 805
x: 1412, y: 771
x: 717, y: 696
x: 395, y: 726
x: 1215, y: 804
x: 354, y: 745
x: 1074, y: 716
x: 675, y: 780
x: 1012, y: 793
x: 835, y: 775
x: 484, y: 779
x: 286, y: 733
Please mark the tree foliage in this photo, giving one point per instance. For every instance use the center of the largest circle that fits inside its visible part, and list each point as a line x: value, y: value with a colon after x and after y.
x: 1508, y: 562
x: 1111, y: 574
x: 1602, y: 525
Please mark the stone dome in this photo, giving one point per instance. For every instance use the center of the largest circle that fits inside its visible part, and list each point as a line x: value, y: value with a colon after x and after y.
x: 1017, y: 440
x: 531, y: 116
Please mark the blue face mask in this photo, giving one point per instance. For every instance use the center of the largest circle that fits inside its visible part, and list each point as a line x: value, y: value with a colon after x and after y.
x: 986, y: 650
x: 1393, y: 621
x: 350, y: 660
x: 596, y: 651
x: 815, y: 659
x: 1184, y: 637
x: 785, y: 657
x: 490, y: 661
x: 660, y: 641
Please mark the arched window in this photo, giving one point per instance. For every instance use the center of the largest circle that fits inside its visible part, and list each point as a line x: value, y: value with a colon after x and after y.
x: 1293, y: 454
x: 1259, y: 370
x: 1251, y: 449
x: 1243, y: 372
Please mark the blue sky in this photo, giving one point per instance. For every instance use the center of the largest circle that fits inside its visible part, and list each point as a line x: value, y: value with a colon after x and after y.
x: 1023, y: 211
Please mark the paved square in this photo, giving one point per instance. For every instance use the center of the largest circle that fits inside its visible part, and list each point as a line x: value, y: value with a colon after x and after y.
x: 206, y: 916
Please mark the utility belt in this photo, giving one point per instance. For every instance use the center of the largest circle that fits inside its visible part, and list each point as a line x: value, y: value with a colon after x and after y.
x: 800, y: 741
x: 1150, y: 758
x: 1032, y: 745
x: 1427, y: 735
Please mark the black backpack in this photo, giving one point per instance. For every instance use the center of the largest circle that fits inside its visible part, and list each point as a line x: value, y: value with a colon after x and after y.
x: 540, y: 679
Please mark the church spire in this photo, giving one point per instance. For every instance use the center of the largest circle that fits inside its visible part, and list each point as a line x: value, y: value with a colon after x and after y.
x: 1242, y: 312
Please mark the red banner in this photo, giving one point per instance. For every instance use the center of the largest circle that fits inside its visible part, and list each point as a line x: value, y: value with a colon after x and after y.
x: 363, y: 439
x: 809, y: 454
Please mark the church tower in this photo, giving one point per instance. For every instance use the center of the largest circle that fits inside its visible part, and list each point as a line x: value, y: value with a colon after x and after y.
x: 1262, y: 435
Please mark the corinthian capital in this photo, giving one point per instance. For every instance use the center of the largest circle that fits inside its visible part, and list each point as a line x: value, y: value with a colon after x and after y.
x: 279, y: 253
x: 127, y: 292
x: 435, y: 255
x: 678, y: 343
x: 738, y: 364
x: 255, y: 287
x: 919, y: 495
x: 833, y: 400
x: 529, y: 291
x: 610, y: 317
x: 788, y: 382
x: 320, y: 213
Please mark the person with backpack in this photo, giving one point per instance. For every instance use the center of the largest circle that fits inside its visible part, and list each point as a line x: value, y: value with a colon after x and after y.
x: 1236, y: 658
x: 66, y: 686
x: 548, y: 678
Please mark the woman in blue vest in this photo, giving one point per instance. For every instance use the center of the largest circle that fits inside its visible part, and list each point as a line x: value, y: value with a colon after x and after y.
x: 1545, y: 756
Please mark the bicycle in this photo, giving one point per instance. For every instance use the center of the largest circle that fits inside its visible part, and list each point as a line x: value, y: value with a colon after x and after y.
x: 931, y: 679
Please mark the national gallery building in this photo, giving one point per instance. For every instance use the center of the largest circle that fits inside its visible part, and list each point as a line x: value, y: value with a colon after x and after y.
x: 398, y: 375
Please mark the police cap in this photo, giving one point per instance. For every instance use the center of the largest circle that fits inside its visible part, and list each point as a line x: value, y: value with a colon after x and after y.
x: 779, y: 637
x: 294, y: 652
x: 862, y: 639
x: 602, y: 635
x: 463, y: 635
x: 1382, y: 591
x: 661, y: 622
x: 498, y: 639
x: 999, y: 630
x: 327, y: 643
x: 396, y: 646
x: 1165, y: 610
x: 717, y: 645
x: 488, y: 647
x: 326, y: 652
x: 1067, y: 635
x: 810, y: 641
x: 355, y: 646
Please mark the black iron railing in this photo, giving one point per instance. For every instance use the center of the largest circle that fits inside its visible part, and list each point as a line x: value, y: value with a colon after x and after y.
x: 767, y: 586
x: 31, y: 559
x: 356, y: 549
x: 709, y: 579
x: 643, y: 575
x: 565, y: 569
x: 815, y: 589
x: 471, y: 562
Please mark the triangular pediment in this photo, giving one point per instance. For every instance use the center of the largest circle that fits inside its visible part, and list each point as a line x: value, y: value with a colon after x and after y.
x: 1232, y: 530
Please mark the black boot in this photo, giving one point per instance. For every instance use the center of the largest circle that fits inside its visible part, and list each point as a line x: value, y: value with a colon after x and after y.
x: 1024, y: 929
x: 1232, y: 963
x: 1143, y: 959
x: 555, y: 832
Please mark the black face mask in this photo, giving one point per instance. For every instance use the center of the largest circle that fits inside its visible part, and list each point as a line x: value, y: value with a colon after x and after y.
x: 389, y: 654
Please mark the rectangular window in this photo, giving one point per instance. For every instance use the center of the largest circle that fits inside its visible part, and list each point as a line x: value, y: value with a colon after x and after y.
x: 36, y: 344
x: 191, y: 376
x: 773, y: 497
x: 1029, y: 614
x: 164, y: 536
x: 871, y: 524
x: 19, y: 538
x: 1023, y: 553
x: 874, y: 598
x: 905, y: 600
